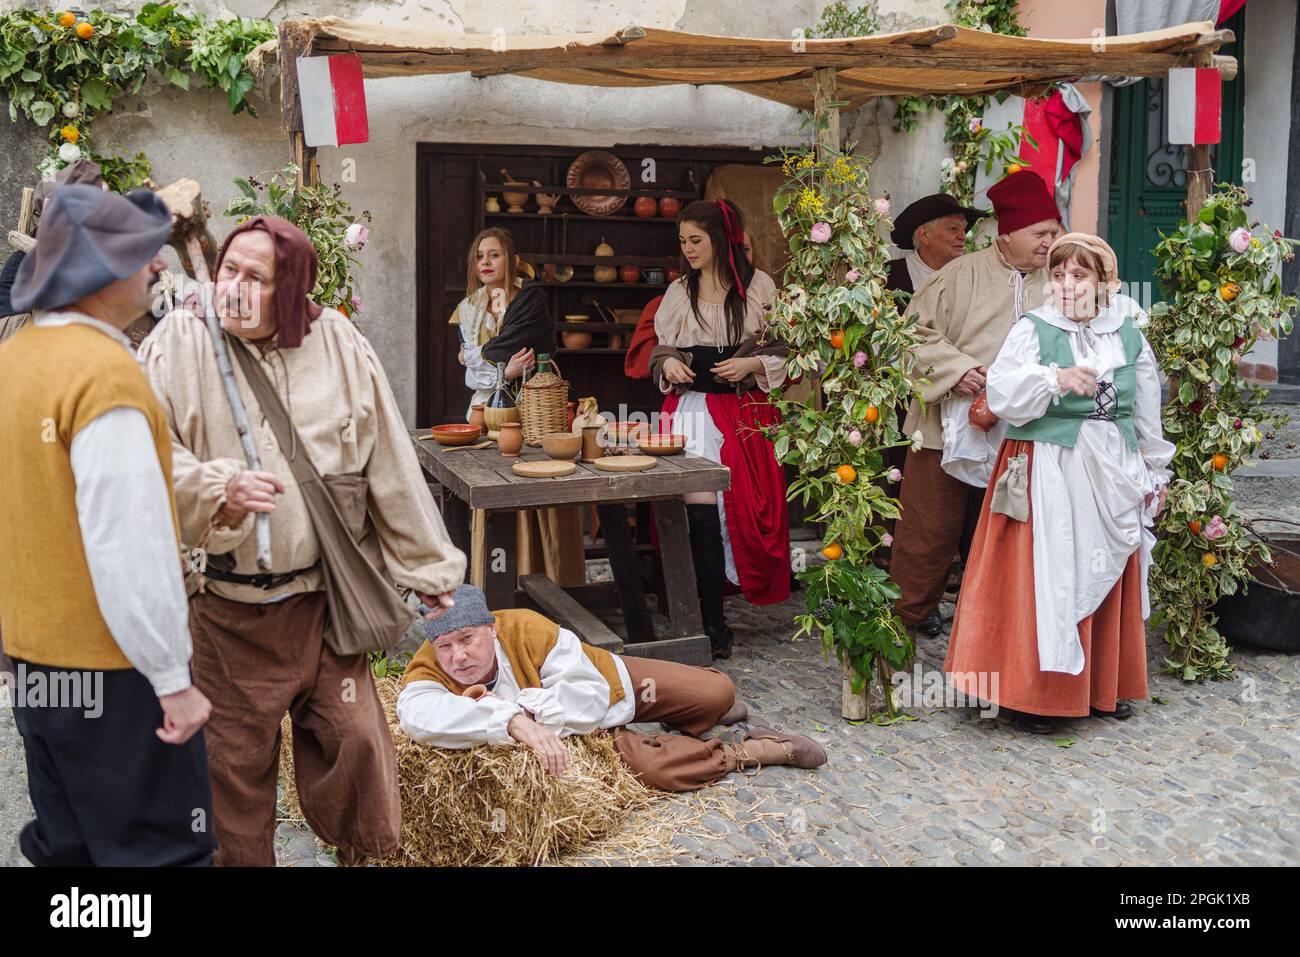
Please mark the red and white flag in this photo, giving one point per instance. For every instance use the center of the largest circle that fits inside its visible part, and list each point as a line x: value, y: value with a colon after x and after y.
x: 1194, y: 104
x: 333, y: 98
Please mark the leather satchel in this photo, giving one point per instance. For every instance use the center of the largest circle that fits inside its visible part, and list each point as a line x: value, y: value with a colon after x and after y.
x: 366, y: 613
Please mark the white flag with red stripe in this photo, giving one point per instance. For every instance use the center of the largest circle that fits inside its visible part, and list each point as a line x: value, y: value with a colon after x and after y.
x: 333, y: 97
x: 1194, y: 104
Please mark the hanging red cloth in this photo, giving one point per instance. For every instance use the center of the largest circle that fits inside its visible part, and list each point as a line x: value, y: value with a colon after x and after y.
x: 755, y: 505
x: 1227, y: 8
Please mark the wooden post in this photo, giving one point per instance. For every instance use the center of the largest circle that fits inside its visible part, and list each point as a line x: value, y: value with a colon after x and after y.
x: 1200, y: 175
x: 826, y: 137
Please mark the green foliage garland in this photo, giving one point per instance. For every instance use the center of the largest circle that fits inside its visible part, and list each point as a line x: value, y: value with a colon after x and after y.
x: 1222, y: 274
x: 842, y: 325
x: 319, y: 211
x: 62, y: 80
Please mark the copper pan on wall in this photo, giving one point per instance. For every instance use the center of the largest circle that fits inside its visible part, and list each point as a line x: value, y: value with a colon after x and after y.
x: 596, y: 169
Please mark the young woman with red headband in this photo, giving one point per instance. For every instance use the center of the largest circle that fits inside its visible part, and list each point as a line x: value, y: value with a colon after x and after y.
x: 716, y: 370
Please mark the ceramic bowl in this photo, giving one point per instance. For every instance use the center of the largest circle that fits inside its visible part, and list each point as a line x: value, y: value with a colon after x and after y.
x: 576, y: 340
x: 456, y: 433
x: 661, y: 444
x: 564, y: 446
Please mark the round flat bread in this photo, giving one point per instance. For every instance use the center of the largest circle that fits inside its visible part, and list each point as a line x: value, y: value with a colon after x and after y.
x: 625, y: 463
x: 546, y: 469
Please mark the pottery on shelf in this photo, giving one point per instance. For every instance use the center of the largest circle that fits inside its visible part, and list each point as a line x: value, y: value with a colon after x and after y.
x: 563, y: 273
x: 512, y: 438
x: 545, y: 201
x: 630, y: 273
x: 516, y: 199
x: 492, y: 206
x: 597, y: 169
x: 645, y: 207
x: 674, y: 274
x: 604, y: 273
x: 654, y: 274
x: 575, y: 340
x: 615, y: 341
x: 669, y: 207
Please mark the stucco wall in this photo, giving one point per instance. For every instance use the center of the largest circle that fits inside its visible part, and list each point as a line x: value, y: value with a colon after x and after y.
x: 192, y: 134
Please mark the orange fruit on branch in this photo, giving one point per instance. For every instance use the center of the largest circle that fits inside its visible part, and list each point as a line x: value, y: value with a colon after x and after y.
x: 1014, y: 168
x: 1219, y: 461
x: 833, y: 551
x: 837, y: 338
x: 1194, y: 526
x: 67, y: 19
x: 1208, y: 560
x: 847, y: 473
x: 873, y: 414
x: 85, y: 30
x: 1229, y: 291
x: 70, y: 133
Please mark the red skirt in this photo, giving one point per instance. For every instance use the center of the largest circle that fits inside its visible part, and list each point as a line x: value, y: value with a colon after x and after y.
x: 995, y: 632
x: 755, y: 505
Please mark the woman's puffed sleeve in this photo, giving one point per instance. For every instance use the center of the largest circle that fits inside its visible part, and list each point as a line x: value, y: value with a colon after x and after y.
x: 1019, y: 388
x: 1156, y: 449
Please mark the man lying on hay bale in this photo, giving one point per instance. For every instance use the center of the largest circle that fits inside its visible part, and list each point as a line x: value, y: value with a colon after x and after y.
x: 510, y: 676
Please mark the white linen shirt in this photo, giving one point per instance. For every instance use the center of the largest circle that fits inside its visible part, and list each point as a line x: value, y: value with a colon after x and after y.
x: 573, y: 699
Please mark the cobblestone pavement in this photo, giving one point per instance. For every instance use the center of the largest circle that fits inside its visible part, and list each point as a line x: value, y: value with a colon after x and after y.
x: 1206, y: 774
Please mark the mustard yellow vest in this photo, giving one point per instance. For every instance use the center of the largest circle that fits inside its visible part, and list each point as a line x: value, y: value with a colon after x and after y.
x: 527, y: 638
x: 53, y: 382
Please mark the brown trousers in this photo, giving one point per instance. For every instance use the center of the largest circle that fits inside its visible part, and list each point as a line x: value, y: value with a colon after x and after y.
x: 257, y: 662
x: 687, y: 699
x: 939, y: 517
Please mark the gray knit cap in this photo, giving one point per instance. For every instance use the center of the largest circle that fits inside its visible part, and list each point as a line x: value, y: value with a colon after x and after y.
x: 470, y: 611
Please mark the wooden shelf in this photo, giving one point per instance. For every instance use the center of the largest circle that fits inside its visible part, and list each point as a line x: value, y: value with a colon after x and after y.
x: 576, y: 214
x: 573, y: 259
x: 590, y: 352
x: 605, y: 328
x: 686, y: 194
x: 582, y: 283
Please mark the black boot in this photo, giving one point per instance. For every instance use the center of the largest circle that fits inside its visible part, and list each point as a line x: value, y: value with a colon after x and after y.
x: 930, y: 625
x: 710, y: 571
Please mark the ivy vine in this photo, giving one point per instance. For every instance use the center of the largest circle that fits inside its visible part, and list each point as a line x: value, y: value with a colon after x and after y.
x: 62, y: 71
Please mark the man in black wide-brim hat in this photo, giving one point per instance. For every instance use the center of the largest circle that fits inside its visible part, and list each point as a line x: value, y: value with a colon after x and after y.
x: 932, y: 231
x: 92, y: 601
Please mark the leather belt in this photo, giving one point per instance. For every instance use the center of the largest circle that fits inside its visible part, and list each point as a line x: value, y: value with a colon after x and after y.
x: 264, y: 580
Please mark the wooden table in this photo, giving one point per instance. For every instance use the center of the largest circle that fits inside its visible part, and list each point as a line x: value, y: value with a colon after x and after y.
x: 483, y: 479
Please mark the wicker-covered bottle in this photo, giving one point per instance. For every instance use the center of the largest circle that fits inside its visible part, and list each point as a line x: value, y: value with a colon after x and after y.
x: 542, y: 401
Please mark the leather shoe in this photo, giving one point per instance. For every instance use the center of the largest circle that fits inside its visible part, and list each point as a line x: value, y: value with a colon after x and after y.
x: 1036, y: 723
x: 1123, y: 710
x: 804, y: 752
x: 930, y: 626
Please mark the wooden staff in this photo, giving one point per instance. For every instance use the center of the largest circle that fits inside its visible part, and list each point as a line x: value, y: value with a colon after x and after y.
x: 189, y: 230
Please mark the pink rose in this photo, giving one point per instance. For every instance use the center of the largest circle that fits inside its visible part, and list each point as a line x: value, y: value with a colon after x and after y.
x: 975, y: 124
x: 859, y: 359
x: 1216, y: 528
x: 356, y: 303
x: 886, y: 539
x: 821, y: 232
x: 895, y: 475
x: 852, y: 275
x: 356, y: 236
x: 855, y: 438
x: 1239, y: 239
x: 882, y: 206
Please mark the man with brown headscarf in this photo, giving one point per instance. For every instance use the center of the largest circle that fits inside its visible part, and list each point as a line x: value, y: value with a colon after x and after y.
x: 260, y: 648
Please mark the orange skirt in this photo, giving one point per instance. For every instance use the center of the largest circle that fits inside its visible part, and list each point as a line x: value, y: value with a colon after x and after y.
x: 995, y: 632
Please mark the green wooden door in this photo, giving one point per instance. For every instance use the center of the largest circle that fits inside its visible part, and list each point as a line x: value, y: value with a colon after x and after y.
x: 1148, y: 177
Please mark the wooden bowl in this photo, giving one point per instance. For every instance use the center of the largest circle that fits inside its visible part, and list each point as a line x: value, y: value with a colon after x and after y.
x: 661, y: 444
x: 563, y: 446
x: 456, y: 433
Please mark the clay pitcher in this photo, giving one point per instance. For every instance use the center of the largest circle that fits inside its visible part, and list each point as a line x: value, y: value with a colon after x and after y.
x: 511, y: 439
x: 591, y: 449
x: 476, y: 417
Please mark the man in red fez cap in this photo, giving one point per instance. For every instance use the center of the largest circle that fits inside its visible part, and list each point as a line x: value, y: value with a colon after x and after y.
x: 963, y: 314
x: 264, y: 645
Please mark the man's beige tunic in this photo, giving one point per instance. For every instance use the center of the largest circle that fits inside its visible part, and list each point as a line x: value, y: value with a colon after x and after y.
x: 339, y: 399
x: 964, y: 313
